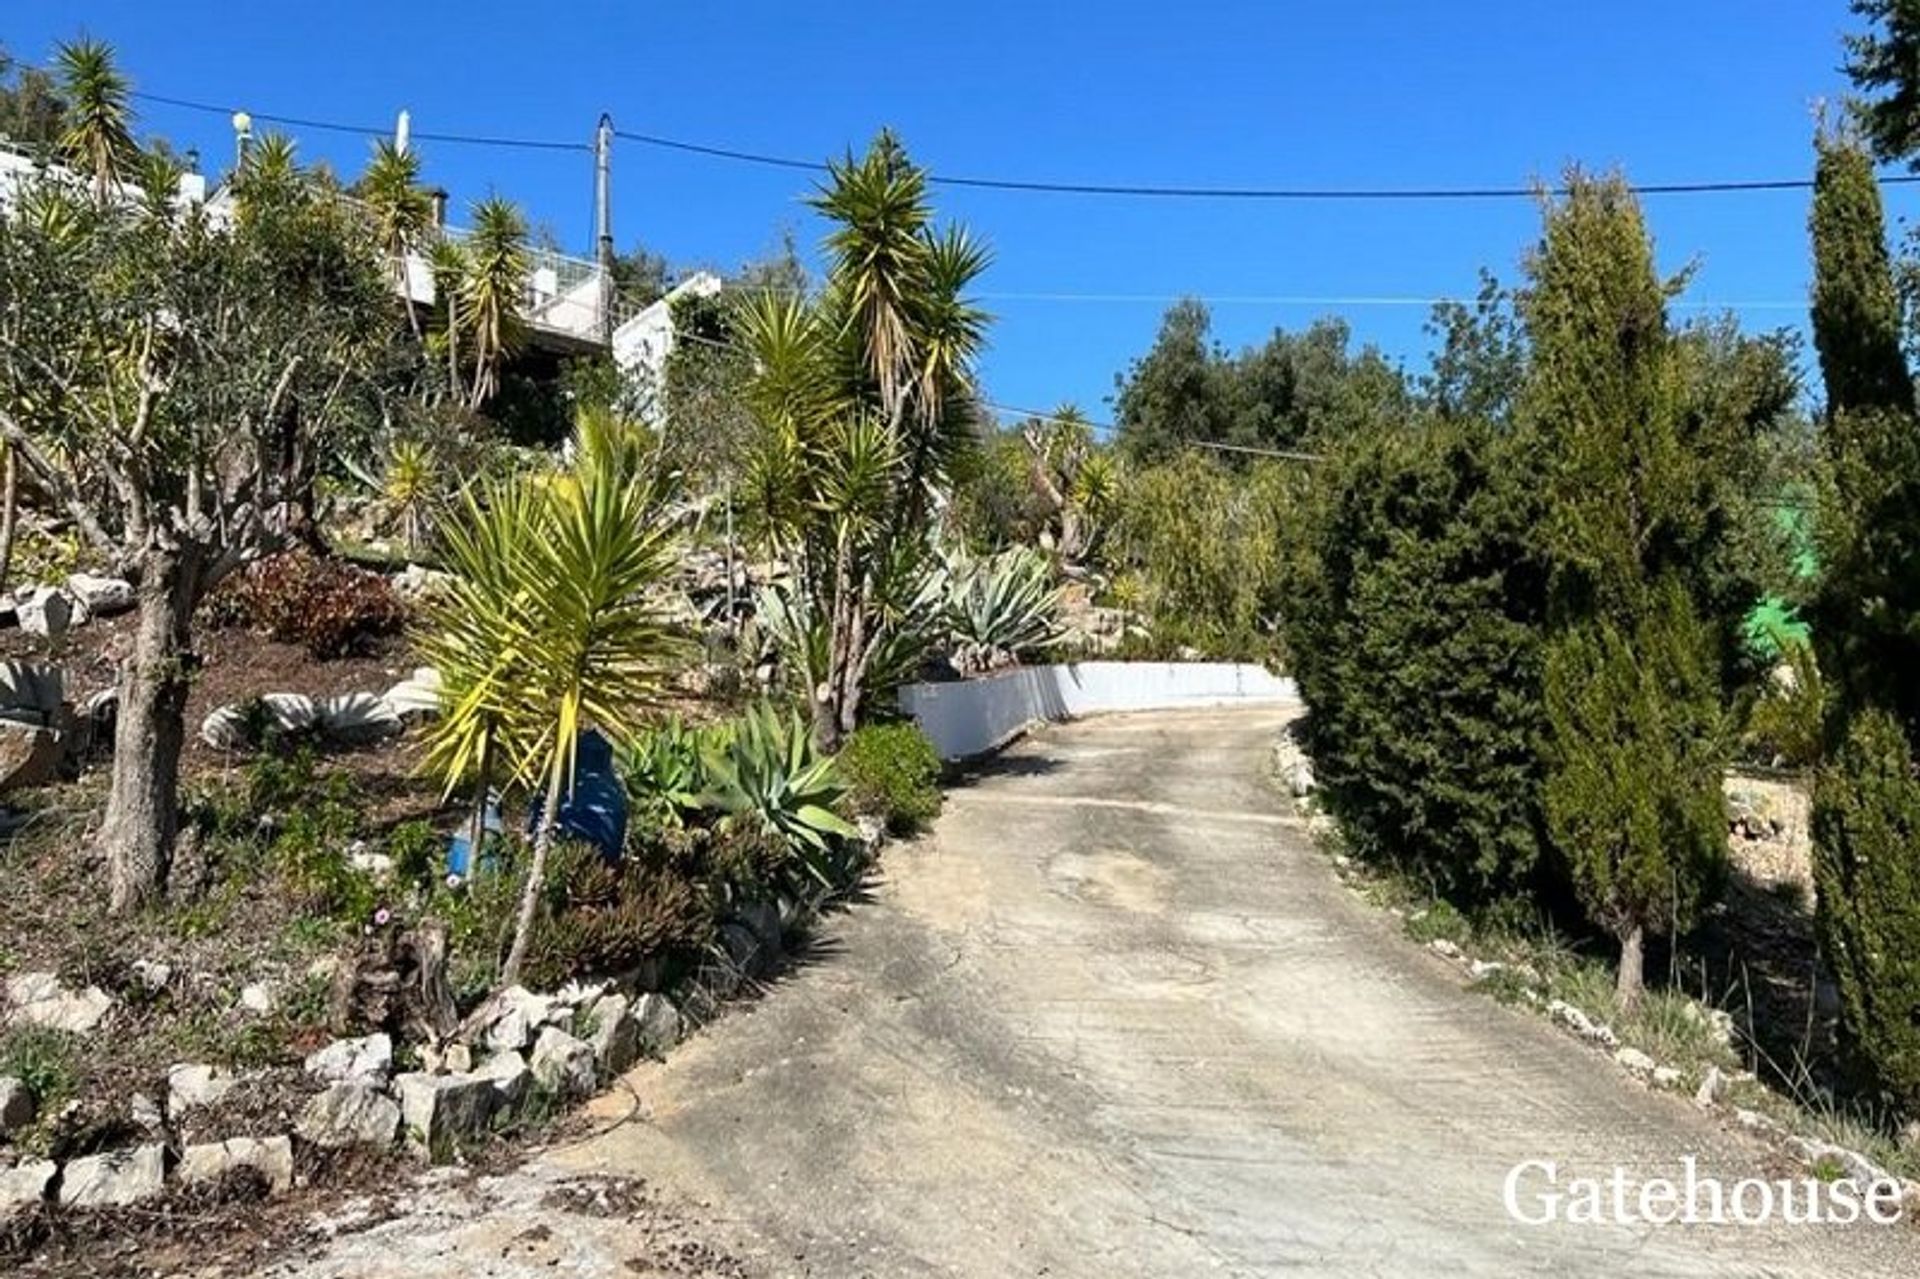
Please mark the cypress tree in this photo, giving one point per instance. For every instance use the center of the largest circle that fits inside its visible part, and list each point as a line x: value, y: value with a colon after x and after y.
x: 1866, y: 629
x: 1856, y: 310
x: 1416, y: 595
x: 1632, y: 679
x: 1866, y: 830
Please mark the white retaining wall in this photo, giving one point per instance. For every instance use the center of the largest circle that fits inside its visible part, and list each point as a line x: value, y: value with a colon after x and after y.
x: 968, y: 717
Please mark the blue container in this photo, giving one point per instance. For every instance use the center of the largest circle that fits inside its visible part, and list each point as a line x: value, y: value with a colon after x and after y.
x: 594, y: 810
x: 460, y: 850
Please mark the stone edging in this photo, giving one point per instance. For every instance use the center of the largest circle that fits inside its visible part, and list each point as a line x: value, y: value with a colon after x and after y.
x: 1293, y: 769
x: 520, y: 1052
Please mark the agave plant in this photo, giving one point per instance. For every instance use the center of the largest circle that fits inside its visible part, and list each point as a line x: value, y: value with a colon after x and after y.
x: 765, y: 771
x: 1001, y: 608
x: 664, y: 774
x: 910, y: 590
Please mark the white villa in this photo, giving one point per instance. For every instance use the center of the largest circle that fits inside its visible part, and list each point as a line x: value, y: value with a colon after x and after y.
x: 567, y: 303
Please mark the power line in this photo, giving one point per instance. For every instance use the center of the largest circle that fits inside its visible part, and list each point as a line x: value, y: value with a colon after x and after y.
x: 370, y: 131
x: 1307, y: 299
x: 1395, y: 194
x: 1245, y: 193
x: 1287, y: 454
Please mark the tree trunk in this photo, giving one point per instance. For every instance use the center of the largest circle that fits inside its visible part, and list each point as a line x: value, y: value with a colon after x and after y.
x: 143, y: 805
x: 9, y: 514
x: 536, y: 874
x: 453, y: 353
x: 1631, y: 979
x: 826, y: 723
x: 482, y: 792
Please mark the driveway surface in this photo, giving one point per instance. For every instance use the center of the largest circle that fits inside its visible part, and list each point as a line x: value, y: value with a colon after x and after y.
x: 1114, y: 1017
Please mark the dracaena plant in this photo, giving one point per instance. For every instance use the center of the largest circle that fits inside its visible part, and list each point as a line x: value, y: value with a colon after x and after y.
x: 552, y: 624
x: 864, y: 398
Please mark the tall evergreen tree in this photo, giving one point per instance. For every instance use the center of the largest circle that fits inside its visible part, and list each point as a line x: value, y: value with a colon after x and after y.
x: 1173, y: 395
x: 1885, y: 62
x: 1632, y: 686
x: 1866, y: 628
x: 1856, y: 310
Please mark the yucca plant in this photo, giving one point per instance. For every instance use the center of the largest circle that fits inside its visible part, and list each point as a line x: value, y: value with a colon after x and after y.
x: 401, y: 212
x: 1002, y: 608
x: 864, y: 396
x: 411, y: 486
x: 448, y: 264
x: 98, y: 138
x: 493, y: 288
x: 763, y: 769
x: 552, y: 625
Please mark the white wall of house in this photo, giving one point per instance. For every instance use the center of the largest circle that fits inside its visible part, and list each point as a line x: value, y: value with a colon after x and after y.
x: 642, y: 344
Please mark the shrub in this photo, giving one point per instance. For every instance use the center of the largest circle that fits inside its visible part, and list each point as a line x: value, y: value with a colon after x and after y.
x: 1200, y: 542
x: 1418, y: 605
x: 416, y: 849
x: 330, y: 607
x: 1866, y: 835
x: 1788, y: 718
x: 602, y: 918
x: 46, y: 1061
x: 892, y: 771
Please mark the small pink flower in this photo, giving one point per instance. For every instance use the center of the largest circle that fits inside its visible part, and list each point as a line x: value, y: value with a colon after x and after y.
x: 381, y: 917
x: 453, y: 881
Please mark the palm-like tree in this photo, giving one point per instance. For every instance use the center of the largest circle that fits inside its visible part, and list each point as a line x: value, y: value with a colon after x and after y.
x: 401, y: 212
x: 98, y: 138
x: 448, y: 263
x: 878, y: 367
x: 879, y: 202
x: 270, y: 176
x: 949, y: 332
x: 551, y: 627
x: 493, y: 290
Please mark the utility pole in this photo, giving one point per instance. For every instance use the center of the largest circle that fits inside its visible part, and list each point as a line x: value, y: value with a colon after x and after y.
x: 603, y: 220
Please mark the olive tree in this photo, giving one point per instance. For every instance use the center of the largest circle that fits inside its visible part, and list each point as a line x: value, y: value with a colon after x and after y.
x: 171, y: 377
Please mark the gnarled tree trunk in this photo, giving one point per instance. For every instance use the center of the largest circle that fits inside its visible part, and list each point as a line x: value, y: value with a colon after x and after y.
x: 143, y: 806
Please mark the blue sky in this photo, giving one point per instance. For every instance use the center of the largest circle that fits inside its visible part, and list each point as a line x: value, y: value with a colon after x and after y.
x: 1230, y: 92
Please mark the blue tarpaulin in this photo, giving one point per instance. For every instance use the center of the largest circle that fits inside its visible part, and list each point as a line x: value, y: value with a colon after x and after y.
x: 594, y: 810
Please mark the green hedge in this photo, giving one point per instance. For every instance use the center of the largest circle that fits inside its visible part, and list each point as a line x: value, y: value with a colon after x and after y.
x: 1414, y: 631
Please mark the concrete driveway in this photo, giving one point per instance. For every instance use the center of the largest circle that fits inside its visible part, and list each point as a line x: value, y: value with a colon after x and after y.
x: 1114, y: 1017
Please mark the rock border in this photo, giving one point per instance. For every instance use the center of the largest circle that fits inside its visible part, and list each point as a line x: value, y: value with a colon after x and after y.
x: 521, y: 1053
x: 1293, y: 772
